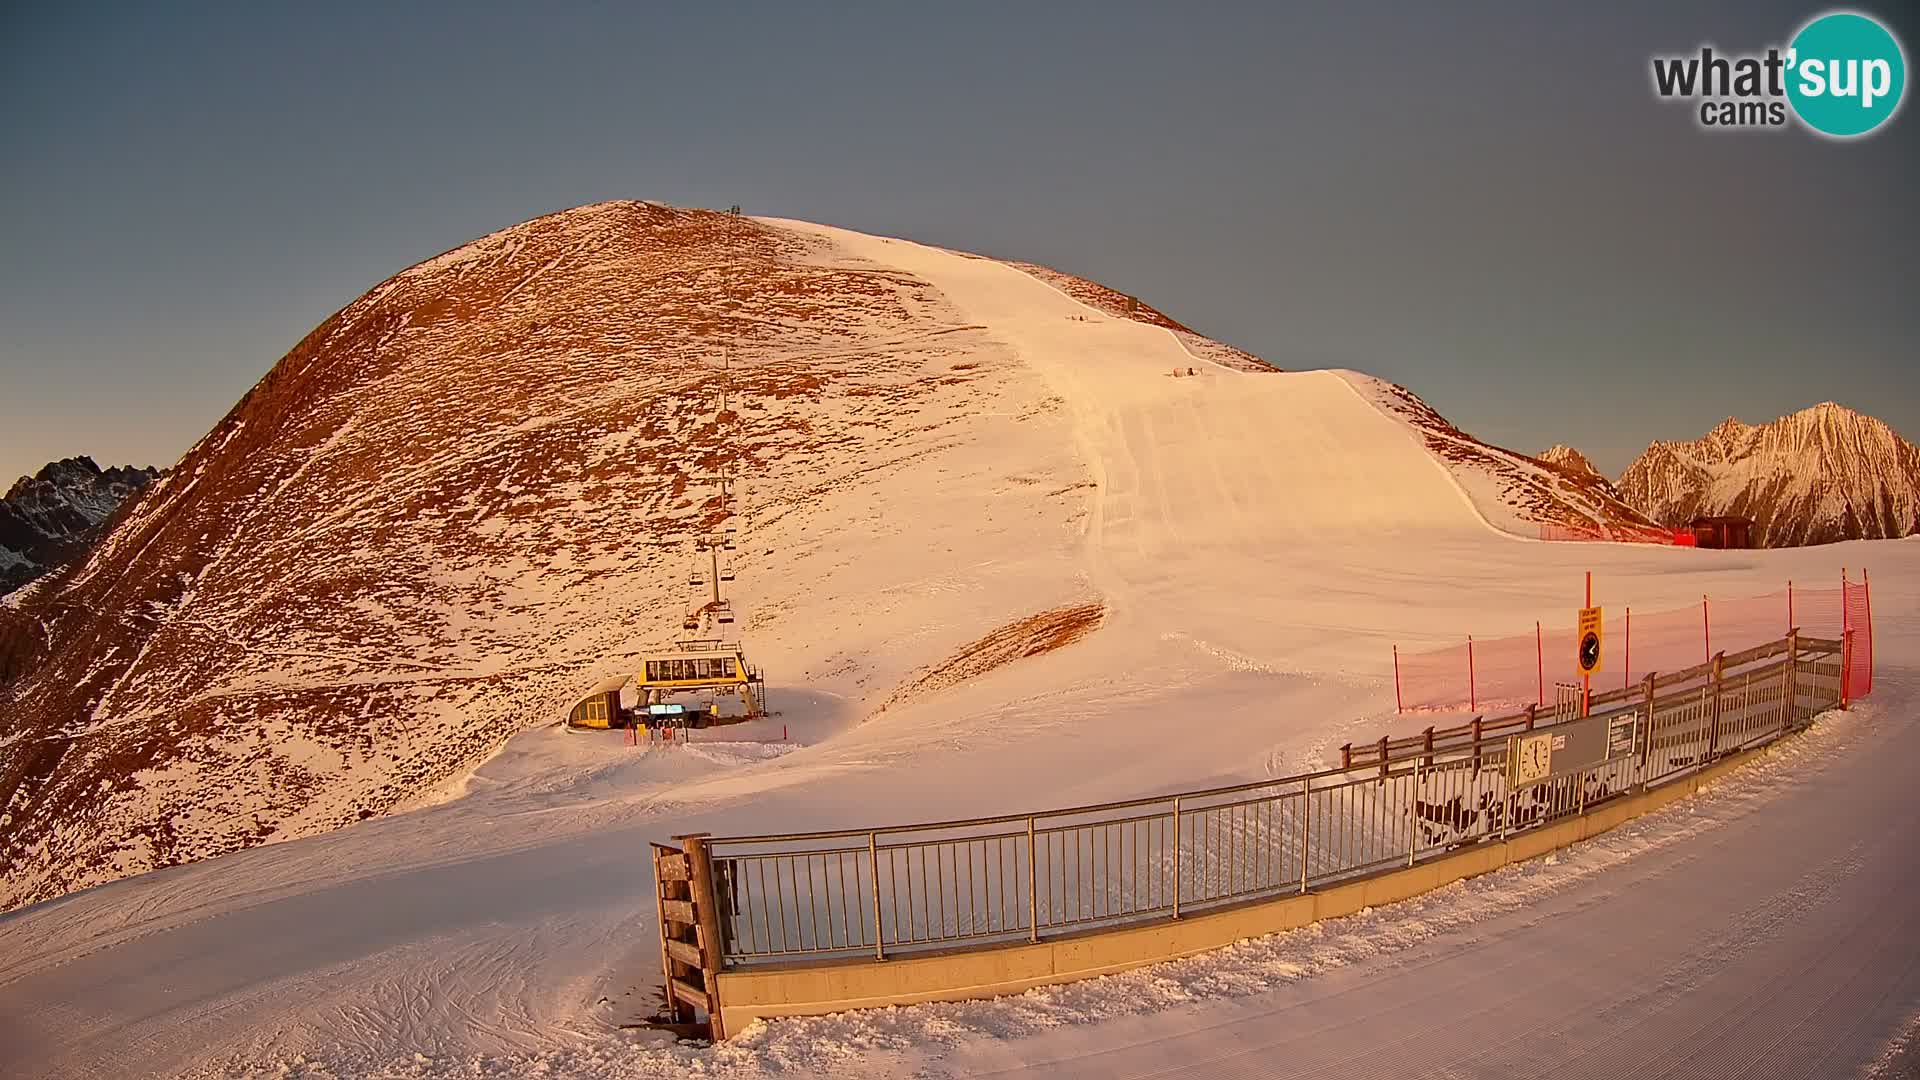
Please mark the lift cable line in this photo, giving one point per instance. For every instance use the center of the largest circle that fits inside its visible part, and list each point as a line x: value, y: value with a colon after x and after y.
x: 710, y: 660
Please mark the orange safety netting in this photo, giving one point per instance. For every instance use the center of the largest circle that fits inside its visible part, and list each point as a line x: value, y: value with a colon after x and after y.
x: 1488, y: 673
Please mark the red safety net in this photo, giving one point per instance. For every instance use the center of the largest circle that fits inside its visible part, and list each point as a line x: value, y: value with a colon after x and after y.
x: 1494, y: 673
x: 1859, y: 666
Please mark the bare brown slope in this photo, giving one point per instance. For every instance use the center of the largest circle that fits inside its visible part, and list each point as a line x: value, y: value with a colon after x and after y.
x: 430, y: 521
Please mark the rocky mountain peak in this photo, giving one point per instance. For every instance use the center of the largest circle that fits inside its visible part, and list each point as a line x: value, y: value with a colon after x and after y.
x: 1821, y: 474
x: 1568, y: 458
x: 54, y: 516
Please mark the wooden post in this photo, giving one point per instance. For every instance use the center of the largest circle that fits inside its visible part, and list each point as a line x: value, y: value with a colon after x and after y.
x: 1346, y: 756
x: 1531, y: 710
x: 1383, y: 757
x: 677, y: 1011
x: 706, y: 909
x: 1476, y: 745
x: 1429, y: 747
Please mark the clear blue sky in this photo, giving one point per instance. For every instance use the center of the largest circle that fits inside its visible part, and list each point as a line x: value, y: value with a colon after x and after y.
x: 1483, y: 202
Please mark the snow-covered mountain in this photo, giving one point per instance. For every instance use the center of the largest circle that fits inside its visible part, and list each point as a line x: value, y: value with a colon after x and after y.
x: 1568, y: 458
x: 1822, y: 474
x: 53, y: 516
x: 464, y: 498
x: 1515, y: 492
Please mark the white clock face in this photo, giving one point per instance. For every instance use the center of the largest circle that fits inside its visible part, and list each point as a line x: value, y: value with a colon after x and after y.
x: 1535, y: 759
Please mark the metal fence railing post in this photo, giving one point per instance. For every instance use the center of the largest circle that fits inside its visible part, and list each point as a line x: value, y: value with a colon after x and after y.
x: 1846, y: 659
x: 873, y: 865
x: 1306, y: 829
x: 1176, y: 856
x: 1033, y: 886
x: 1413, y: 813
x: 1793, y: 678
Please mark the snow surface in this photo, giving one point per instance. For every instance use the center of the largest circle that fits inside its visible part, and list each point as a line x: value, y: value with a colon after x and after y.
x: 1258, y: 540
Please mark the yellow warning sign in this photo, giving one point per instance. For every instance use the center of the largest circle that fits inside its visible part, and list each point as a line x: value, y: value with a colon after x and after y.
x: 1590, y: 637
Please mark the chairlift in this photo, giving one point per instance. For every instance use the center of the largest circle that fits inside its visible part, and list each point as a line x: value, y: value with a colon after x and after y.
x: 691, y: 622
x: 726, y: 573
x: 724, y: 615
x: 695, y: 578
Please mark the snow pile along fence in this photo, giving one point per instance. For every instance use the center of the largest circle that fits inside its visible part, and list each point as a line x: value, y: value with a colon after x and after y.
x: 758, y: 926
x: 1512, y: 671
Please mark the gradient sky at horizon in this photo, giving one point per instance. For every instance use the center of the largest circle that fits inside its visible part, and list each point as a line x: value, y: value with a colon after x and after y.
x: 1482, y: 201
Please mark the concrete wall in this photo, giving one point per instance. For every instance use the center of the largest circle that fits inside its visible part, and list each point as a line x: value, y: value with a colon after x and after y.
x: 836, y: 986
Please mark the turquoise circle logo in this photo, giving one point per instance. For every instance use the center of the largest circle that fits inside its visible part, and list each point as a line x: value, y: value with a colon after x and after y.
x: 1846, y: 74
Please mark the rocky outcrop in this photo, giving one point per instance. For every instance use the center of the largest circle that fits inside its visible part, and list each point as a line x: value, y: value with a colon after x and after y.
x: 52, y: 517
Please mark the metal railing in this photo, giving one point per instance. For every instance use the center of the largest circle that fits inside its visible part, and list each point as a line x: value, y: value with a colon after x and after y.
x: 987, y: 881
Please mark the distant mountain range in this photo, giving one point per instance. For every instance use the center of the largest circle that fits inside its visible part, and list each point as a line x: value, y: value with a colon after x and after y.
x: 54, y: 516
x: 1821, y: 475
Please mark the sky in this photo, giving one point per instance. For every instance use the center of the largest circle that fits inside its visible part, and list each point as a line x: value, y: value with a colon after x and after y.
x: 1484, y: 202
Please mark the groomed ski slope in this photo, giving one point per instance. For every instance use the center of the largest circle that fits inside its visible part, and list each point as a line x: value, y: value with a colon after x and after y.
x: 1258, y: 539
